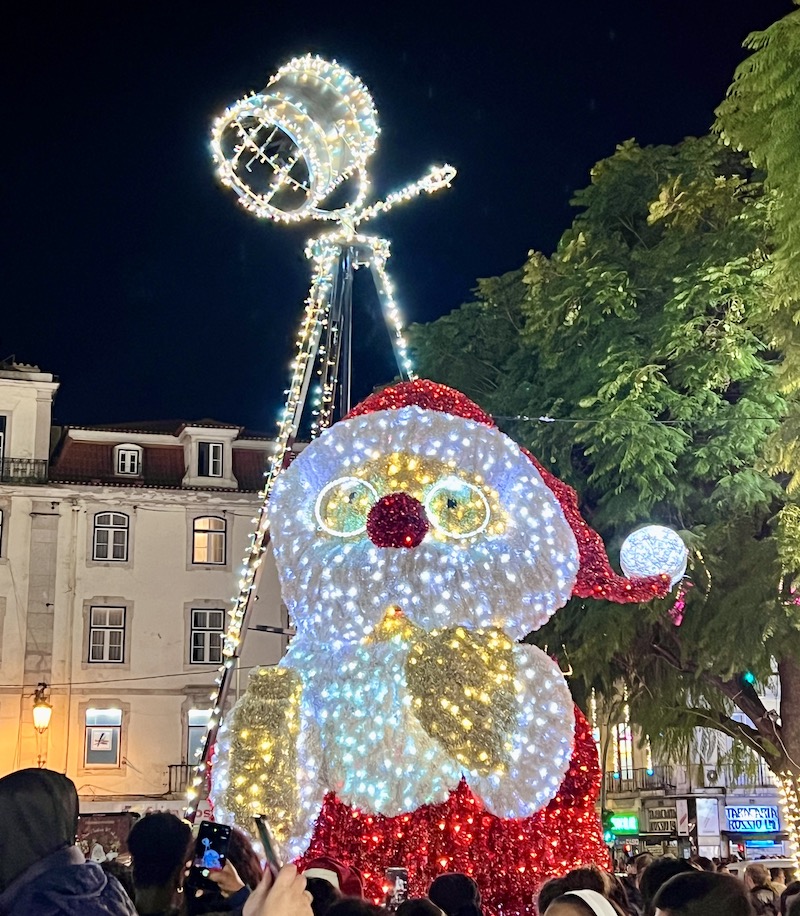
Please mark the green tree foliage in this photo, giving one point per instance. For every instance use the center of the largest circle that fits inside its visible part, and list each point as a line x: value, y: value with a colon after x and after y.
x: 761, y: 114
x: 639, y: 363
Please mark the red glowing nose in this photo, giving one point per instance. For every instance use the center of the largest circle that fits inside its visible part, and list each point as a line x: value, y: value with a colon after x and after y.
x: 397, y: 520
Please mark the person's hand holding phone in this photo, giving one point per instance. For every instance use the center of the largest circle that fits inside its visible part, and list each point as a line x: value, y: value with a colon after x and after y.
x: 210, y: 855
x: 227, y: 879
x: 285, y: 895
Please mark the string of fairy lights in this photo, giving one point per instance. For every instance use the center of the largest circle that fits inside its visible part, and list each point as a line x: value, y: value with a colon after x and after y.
x: 790, y: 803
x: 284, y: 152
x: 629, y: 421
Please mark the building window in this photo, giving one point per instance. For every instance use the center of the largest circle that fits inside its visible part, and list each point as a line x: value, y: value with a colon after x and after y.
x: 103, y: 734
x: 196, y: 732
x: 209, y: 459
x: 128, y: 460
x: 207, y: 634
x: 107, y: 634
x: 110, y: 536
x: 208, y: 540
x: 623, y: 740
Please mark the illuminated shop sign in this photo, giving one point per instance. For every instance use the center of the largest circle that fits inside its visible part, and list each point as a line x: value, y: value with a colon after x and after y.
x: 752, y: 818
x: 624, y: 824
x: 662, y: 820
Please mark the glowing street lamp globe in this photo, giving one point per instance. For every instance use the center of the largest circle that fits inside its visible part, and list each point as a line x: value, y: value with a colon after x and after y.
x: 652, y: 551
x: 42, y: 710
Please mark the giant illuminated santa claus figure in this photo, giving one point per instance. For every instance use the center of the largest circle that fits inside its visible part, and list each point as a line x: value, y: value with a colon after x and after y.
x: 407, y: 726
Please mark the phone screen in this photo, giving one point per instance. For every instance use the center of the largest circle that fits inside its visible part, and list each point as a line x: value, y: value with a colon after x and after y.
x: 396, y: 885
x: 210, y: 852
x: 273, y: 857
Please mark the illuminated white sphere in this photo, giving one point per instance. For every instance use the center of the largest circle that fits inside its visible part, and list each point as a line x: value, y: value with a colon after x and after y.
x: 654, y: 550
x: 286, y: 149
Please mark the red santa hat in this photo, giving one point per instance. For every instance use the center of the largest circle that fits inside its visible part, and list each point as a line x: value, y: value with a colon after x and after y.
x: 345, y: 878
x: 596, y: 578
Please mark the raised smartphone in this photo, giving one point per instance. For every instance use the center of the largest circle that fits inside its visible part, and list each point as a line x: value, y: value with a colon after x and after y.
x: 210, y: 853
x: 273, y: 857
x: 396, y: 884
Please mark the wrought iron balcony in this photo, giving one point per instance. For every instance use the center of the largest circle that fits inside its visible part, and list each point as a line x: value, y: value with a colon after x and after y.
x: 640, y: 780
x: 759, y: 777
x: 180, y: 775
x: 23, y: 470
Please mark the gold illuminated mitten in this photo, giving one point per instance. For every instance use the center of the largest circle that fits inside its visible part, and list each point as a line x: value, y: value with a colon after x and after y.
x: 263, y: 751
x: 462, y: 684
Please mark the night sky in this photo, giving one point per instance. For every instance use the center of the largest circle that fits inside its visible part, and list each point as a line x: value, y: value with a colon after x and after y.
x: 139, y: 281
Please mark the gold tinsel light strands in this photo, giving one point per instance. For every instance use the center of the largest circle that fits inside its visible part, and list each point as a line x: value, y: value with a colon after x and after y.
x: 263, y: 742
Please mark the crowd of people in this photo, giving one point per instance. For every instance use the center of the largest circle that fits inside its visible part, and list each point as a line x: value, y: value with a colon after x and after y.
x: 44, y: 873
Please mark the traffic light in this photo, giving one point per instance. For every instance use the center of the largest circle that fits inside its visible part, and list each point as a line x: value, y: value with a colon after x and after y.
x: 608, y: 833
x: 618, y: 824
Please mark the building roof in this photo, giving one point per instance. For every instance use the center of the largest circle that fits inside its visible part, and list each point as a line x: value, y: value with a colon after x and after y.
x: 76, y: 460
x: 11, y: 369
x: 165, y: 427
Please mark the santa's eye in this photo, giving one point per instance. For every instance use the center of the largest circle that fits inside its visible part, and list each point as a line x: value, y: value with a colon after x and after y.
x: 343, y: 505
x: 456, y: 508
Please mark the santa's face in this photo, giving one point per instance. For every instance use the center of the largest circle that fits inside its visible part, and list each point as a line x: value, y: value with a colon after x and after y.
x: 441, y: 517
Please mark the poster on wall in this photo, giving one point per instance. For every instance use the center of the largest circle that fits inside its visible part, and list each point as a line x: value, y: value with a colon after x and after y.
x: 707, y: 817
x: 104, y: 837
x: 99, y: 739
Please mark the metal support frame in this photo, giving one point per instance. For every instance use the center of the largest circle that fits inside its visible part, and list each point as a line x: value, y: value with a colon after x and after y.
x: 333, y: 324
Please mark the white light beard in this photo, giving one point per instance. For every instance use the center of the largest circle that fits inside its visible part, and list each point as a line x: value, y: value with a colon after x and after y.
x: 371, y: 749
x: 435, y: 585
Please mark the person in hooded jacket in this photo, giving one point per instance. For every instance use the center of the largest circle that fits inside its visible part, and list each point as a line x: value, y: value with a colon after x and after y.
x: 42, y: 871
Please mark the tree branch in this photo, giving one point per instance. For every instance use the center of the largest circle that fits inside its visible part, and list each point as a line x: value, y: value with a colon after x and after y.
x: 739, y: 731
x: 761, y: 737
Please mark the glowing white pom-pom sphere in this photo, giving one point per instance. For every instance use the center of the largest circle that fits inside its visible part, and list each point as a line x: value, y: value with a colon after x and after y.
x: 652, y: 551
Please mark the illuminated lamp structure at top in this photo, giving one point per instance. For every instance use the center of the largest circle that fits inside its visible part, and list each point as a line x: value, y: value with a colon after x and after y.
x: 286, y: 149
x: 296, y: 151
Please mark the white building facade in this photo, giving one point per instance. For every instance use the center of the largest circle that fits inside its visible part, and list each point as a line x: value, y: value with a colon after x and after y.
x: 119, y: 556
x: 699, y: 806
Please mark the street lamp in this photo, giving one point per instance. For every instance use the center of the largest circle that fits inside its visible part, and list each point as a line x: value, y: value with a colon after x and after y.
x: 42, y: 710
